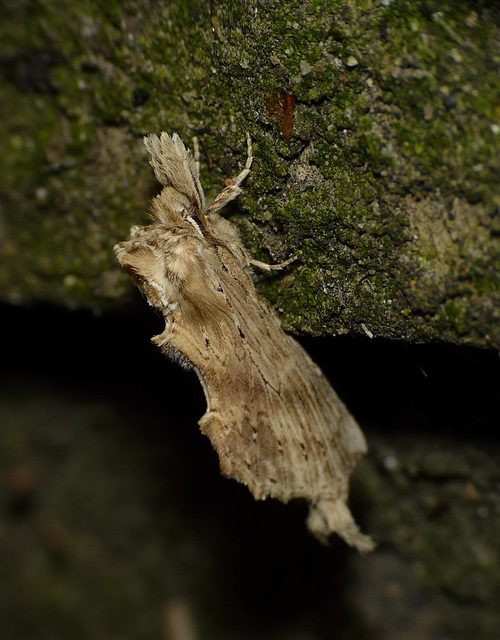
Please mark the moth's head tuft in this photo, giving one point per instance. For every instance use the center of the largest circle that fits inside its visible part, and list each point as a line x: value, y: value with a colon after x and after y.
x: 170, y: 207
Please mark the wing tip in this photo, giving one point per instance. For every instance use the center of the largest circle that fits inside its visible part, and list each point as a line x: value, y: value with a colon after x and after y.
x: 333, y: 516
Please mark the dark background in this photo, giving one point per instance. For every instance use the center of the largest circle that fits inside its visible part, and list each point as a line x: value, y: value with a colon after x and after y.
x: 115, y: 517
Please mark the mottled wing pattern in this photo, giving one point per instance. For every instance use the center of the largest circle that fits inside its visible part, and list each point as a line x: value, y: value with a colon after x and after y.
x: 272, y: 416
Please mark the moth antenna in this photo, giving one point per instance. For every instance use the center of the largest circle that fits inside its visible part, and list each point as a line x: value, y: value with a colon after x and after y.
x: 233, y: 190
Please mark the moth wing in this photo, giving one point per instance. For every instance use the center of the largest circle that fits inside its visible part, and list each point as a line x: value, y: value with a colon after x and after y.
x: 272, y: 416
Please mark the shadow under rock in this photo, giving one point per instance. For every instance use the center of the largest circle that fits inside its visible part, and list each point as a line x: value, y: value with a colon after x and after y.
x: 267, y: 571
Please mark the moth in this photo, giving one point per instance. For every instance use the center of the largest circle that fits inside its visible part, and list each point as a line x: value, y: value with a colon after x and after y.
x: 272, y: 416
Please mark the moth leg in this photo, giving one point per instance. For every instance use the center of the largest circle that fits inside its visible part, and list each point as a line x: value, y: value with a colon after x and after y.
x: 233, y: 189
x: 272, y: 267
x: 163, y: 338
x: 243, y: 174
x: 196, y: 154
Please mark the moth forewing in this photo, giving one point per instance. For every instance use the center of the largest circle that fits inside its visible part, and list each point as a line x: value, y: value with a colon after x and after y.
x: 272, y: 416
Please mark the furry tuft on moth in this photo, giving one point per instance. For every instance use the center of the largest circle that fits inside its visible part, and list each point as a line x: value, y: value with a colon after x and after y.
x: 272, y: 416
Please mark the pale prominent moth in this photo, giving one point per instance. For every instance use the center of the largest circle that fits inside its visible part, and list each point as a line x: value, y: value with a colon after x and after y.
x: 272, y: 416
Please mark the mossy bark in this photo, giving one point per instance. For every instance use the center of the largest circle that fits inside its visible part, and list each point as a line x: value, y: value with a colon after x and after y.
x: 387, y: 190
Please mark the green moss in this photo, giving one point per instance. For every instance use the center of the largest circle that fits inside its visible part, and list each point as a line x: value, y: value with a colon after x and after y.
x: 456, y: 313
x: 387, y: 106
